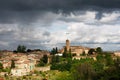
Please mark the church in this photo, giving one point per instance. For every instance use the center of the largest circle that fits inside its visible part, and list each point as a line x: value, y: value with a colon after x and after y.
x: 77, y: 50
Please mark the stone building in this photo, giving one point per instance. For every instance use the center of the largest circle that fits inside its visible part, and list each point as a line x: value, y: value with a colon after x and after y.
x: 23, y: 67
x: 78, y: 50
x: 117, y: 53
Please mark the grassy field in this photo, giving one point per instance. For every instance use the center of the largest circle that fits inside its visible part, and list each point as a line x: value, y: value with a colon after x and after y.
x: 49, y: 75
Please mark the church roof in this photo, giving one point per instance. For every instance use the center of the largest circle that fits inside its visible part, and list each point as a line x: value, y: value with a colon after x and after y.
x: 82, y: 47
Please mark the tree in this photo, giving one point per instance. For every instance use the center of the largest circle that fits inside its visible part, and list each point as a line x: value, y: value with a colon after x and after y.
x: 91, y: 51
x: 12, y: 64
x: 45, y: 59
x: 62, y: 66
x: 65, y: 75
x: 53, y: 51
x: 65, y: 52
x: 83, y: 54
x: 98, y: 66
x: 70, y: 54
x: 41, y: 63
x: 56, y: 50
x: 1, y: 67
x: 83, y: 71
x: 14, y: 51
x: 109, y: 60
x: 55, y: 59
x: 29, y: 50
x: 21, y: 48
x: 117, y: 63
x: 100, y: 58
x: 99, y: 50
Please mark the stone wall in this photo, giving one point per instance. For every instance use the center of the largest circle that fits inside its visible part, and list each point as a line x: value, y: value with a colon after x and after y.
x: 46, y: 68
x: 117, y: 53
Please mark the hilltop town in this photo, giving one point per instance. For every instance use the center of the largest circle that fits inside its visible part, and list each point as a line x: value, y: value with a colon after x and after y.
x: 19, y: 64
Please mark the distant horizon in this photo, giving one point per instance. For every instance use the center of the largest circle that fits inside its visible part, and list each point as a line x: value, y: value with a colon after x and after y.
x: 105, y: 47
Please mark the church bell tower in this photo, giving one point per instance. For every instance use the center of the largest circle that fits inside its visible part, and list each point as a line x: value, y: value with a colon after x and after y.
x: 67, y: 45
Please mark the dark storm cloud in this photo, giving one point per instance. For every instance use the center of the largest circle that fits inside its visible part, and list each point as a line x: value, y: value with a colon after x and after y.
x: 23, y: 5
x: 16, y: 16
x: 46, y: 33
x: 28, y: 10
x: 99, y: 15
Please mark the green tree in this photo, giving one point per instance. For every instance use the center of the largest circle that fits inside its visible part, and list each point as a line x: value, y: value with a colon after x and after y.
x: 65, y: 52
x: 98, y: 66
x: 12, y: 64
x: 99, y: 50
x: 7, y: 70
x: 21, y: 48
x: 56, y: 50
x: 15, y: 51
x: 100, y: 57
x: 83, y: 54
x: 29, y: 50
x: 1, y: 67
x: 111, y: 73
x: 45, y: 59
x: 109, y: 60
x: 41, y: 63
x: 53, y: 51
x: 117, y: 62
x: 55, y: 59
x: 64, y: 64
x: 91, y: 51
x: 70, y: 54
x: 83, y: 71
x: 64, y: 76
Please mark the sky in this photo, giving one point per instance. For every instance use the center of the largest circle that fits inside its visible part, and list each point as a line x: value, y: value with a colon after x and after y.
x: 43, y: 24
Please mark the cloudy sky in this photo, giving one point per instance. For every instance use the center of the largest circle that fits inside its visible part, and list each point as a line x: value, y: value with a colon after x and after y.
x: 44, y: 23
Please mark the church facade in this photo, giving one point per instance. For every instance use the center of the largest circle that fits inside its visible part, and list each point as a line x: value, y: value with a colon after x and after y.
x: 77, y: 50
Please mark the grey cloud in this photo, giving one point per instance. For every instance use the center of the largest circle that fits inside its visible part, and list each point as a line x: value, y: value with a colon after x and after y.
x: 11, y: 37
x: 33, y: 14
x: 18, y: 17
x: 28, y: 10
x: 23, y: 5
x: 99, y: 15
x: 46, y: 33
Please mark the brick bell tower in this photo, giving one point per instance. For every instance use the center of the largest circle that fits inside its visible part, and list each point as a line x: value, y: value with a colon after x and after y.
x: 67, y: 45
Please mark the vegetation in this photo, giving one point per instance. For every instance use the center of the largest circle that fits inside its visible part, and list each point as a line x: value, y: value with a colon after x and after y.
x: 62, y: 66
x: 104, y: 68
x: 29, y: 50
x: 55, y: 59
x: 99, y: 50
x: 67, y: 54
x: 66, y: 68
x: 12, y: 64
x: 21, y: 48
x: 43, y: 61
x: 1, y: 67
x: 83, y: 71
x: 91, y: 51
x: 54, y: 51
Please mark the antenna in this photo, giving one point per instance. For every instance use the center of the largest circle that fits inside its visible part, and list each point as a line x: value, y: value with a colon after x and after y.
x: 67, y: 34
